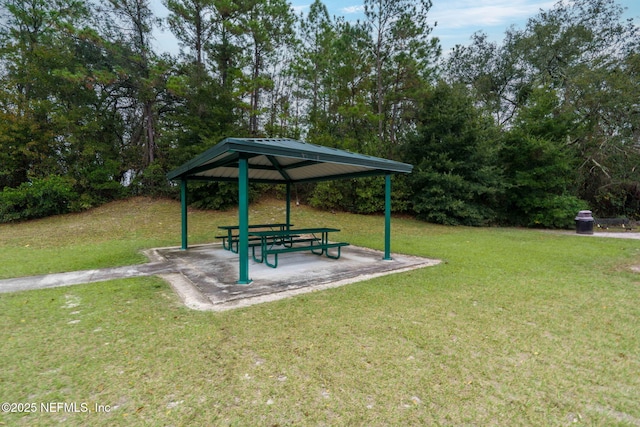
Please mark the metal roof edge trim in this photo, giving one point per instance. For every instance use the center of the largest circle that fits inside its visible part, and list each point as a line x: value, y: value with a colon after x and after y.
x: 209, y: 154
x: 261, y: 146
x: 320, y: 153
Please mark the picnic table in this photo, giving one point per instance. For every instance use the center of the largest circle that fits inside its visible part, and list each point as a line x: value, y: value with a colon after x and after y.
x: 230, y: 238
x: 294, y: 240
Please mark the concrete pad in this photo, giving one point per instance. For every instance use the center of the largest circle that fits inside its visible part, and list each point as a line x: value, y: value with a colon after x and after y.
x: 208, y: 273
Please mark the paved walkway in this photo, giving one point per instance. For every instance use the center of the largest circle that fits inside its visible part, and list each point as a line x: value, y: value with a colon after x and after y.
x: 205, y: 276
x: 620, y: 235
x: 86, y: 276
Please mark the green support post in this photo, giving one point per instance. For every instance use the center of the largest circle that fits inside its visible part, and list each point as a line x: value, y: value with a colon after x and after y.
x: 183, y: 208
x: 243, y: 220
x: 387, y: 218
x: 288, y: 214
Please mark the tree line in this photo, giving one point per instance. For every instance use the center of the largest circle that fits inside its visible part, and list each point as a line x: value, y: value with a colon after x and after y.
x: 526, y: 131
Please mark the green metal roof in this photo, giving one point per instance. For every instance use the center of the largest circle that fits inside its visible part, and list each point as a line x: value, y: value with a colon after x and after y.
x: 282, y: 160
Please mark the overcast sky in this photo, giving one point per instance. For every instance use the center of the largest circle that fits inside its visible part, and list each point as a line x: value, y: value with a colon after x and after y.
x: 456, y: 20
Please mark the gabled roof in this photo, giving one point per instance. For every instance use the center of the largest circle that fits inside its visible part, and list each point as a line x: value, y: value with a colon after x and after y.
x: 282, y: 160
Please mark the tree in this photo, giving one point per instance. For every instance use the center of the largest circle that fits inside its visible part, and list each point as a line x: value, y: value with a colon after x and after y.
x: 609, y: 146
x: 193, y: 23
x: 581, y: 52
x: 351, y: 122
x: 456, y: 179
x: 402, y: 54
x: 492, y: 72
x: 56, y: 114
x: 205, y: 106
x: 311, y: 67
x: 267, y: 26
x: 142, y: 75
x: 34, y: 51
x: 540, y: 166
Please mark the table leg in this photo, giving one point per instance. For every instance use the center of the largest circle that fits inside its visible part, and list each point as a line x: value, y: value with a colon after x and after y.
x: 227, y: 245
x: 322, y: 241
x: 231, y: 243
x: 263, y: 248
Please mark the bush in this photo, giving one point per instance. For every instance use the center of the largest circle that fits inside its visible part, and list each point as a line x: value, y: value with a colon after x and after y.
x: 328, y: 195
x: 556, y: 212
x: 361, y: 195
x: 618, y: 199
x: 450, y: 199
x: 37, y: 199
x: 219, y: 195
x: 213, y: 195
x: 151, y: 182
x: 457, y: 178
x: 541, y: 173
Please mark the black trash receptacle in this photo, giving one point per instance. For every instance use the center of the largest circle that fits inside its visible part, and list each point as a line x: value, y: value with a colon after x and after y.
x: 584, y: 222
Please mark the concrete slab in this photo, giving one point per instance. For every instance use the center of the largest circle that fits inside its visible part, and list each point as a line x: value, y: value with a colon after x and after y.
x: 205, y: 276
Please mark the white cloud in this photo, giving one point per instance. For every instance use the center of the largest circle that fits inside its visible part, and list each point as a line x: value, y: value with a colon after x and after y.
x: 352, y: 9
x: 485, y: 13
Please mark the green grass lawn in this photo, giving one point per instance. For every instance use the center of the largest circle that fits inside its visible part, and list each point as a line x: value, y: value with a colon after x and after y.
x: 516, y: 327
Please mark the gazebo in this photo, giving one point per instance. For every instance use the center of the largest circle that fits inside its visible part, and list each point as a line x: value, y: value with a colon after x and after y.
x: 279, y: 161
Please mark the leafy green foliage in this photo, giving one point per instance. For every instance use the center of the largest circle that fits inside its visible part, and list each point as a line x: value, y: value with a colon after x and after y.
x: 365, y: 195
x: 619, y: 199
x: 362, y: 195
x: 37, y: 199
x: 539, y: 173
x: 403, y: 56
x: 84, y: 96
x: 583, y: 55
x: 456, y: 178
x: 152, y: 182
x: 219, y: 195
x: 540, y: 166
x: 216, y: 195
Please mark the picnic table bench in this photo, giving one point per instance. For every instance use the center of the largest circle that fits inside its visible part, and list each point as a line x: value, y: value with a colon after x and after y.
x: 231, y: 238
x: 606, y: 223
x: 290, y: 240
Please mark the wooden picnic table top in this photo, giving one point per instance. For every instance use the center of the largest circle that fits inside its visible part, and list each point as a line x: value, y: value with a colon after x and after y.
x: 280, y: 233
x: 236, y: 227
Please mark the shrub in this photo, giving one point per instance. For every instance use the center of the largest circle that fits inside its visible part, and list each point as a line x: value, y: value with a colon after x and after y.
x: 541, y: 173
x: 618, y: 199
x: 450, y: 199
x: 214, y: 195
x: 37, y: 198
x: 361, y: 195
x: 556, y: 212
x: 457, y: 178
x: 151, y: 182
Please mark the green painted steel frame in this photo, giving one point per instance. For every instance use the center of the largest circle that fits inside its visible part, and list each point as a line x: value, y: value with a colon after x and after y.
x: 183, y: 211
x: 243, y: 221
x: 243, y: 218
x: 387, y: 217
x: 235, y: 153
x: 288, y: 208
x: 227, y: 152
